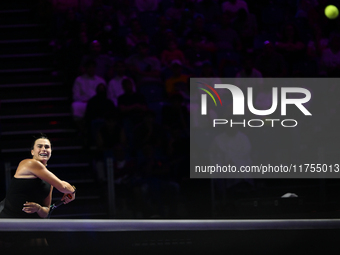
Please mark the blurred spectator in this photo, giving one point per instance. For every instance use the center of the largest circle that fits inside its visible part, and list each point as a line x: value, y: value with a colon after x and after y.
x: 131, y: 104
x: 246, y: 26
x: 176, y: 10
x: 125, y: 13
x: 83, y: 27
x: 208, y: 74
x: 233, y: 6
x: 290, y: 45
x: 178, y: 82
x: 199, y: 33
x: 199, y: 42
x: 229, y: 63
x: 186, y: 20
x: 144, y: 67
x: 103, y: 61
x: 207, y: 70
x: 196, y: 56
x: 98, y: 107
x: 100, y: 5
x: 330, y: 57
x: 62, y: 5
x: 321, y: 39
x: 304, y: 7
x: 162, y: 34
x: 249, y: 71
x: 135, y: 36
x: 270, y: 63
x: 210, y: 9
x: 79, y: 46
x: 316, y: 15
x: 108, y: 37
x: 226, y: 38
x: 147, y: 5
x: 115, y: 87
x: 96, y: 20
x: 171, y: 53
x: 84, y: 88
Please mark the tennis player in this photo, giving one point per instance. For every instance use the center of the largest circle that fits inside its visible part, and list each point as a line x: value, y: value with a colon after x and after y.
x: 30, y: 191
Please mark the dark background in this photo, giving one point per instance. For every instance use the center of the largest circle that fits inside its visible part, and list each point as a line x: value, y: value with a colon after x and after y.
x: 46, y: 45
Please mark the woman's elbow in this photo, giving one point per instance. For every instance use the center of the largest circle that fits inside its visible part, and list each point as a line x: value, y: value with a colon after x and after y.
x: 62, y: 187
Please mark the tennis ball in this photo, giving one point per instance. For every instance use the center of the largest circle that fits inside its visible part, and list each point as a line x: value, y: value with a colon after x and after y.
x: 331, y: 12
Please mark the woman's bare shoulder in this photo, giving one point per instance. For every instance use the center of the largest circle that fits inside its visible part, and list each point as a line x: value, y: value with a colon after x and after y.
x: 31, y: 162
x: 27, y: 168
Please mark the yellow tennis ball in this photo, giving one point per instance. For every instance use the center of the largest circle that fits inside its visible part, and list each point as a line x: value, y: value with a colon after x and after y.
x: 331, y: 12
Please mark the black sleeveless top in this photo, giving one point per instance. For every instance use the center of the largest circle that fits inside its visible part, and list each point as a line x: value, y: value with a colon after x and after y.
x: 20, y: 191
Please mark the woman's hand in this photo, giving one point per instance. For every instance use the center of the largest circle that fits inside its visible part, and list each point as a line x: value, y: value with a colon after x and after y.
x: 68, y: 198
x: 31, y: 207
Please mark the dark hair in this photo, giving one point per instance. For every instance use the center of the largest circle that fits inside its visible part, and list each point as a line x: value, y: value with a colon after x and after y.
x: 100, y: 87
x: 90, y: 63
x: 40, y: 136
x: 126, y: 81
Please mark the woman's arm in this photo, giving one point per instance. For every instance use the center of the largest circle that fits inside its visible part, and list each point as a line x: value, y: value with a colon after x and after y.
x: 40, y: 171
x: 41, y: 210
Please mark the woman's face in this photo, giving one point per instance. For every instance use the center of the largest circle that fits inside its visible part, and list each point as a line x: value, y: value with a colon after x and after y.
x: 42, y: 150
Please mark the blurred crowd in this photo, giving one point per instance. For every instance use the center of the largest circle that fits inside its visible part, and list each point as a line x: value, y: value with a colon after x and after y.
x: 128, y: 64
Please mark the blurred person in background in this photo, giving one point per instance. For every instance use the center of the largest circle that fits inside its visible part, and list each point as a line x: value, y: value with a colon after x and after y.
x: 98, y: 107
x: 84, y: 88
x: 103, y: 61
x: 115, y: 86
x: 143, y: 67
